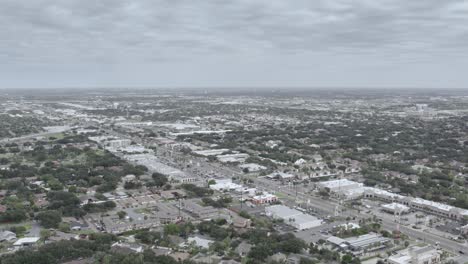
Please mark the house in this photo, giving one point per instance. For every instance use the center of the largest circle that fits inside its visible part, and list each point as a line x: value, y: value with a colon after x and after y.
x: 126, y: 248
x: 26, y: 242
x: 295, y: 258
x: 230, y: 261
x: 243, y: 249
x: 464, y: 230
x: 161, y: 251
x: 278, y: 257
x: 180, y: 256
x: 206, y: 259
x: 7, y: 236
x: 197, y: 242
x: 129, y: 178
x: 173, y: 194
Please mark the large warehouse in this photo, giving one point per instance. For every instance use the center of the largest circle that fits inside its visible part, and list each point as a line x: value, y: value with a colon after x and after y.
x: 292, y: 217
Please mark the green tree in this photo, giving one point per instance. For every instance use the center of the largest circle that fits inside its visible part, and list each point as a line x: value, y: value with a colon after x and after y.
x: 49, y: 219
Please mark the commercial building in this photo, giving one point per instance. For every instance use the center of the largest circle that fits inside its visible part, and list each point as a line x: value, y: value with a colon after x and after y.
x: 357, y: 245
x: 343, y: 188
x: 337, y: 186
x: 368, y: 242
x: 200, y: 212
x: 281, y: 175
x: 416, y: 255
x: 431, y: 207
x: 154, y: 165
x: 348, y: 190
x: 395, y: 208
x: 292, y: 217
x: 265, y: 198
x: 225, y: 185
x: 233, y: 158
x: 119, y: 143
x: 252, y: 167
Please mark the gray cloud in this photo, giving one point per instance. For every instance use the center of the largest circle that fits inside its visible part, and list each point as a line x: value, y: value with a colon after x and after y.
x: 238, y: 42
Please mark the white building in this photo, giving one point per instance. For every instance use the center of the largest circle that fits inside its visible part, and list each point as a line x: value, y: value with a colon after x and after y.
x: 416, y: 255
x: 280, y: 175
x: 198, y: 242
x: 336, y: 186
x: 252, y: 167
x: 239, y: 157
x: 119, y: 143
x: 264, y: 198
x: 292, y: 217
x: 225, y: 185
x: 395, y: 207
x: 26, y: 242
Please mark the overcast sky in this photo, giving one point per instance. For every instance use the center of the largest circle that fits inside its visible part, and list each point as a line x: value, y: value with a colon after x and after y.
x: 233, y: 43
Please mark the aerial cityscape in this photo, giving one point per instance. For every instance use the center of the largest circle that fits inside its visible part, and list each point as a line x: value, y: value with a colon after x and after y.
x: 180, y: 176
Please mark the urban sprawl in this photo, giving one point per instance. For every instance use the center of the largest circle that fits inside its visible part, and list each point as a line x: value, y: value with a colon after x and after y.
x: 257, y: 177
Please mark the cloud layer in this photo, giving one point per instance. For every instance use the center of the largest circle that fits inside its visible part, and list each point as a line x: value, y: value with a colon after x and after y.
x: 233, y: 43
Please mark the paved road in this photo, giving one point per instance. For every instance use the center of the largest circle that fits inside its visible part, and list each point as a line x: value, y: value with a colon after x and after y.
x: 328, y: 206
x: 41, y: 134
x: 298, y: 194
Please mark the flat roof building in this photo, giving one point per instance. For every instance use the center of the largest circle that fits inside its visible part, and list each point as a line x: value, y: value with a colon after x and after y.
x: 395, y: 207
x: 293, y: 217
x: 26, y: 241
x: 416, y: 255
x: 339, y: 185
x: 200, y: 212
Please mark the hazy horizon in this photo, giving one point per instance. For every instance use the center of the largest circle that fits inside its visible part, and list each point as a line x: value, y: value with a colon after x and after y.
x: 259, y: 43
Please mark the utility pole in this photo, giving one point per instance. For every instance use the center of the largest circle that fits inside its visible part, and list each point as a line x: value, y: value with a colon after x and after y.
x: 242, y: 190
x: 180, y: 205
x: 295, y: 186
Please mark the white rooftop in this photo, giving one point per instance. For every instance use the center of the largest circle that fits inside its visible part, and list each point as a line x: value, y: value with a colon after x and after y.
x: 26, y: 240
x: 396, y: 206
x: 338, y: 183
